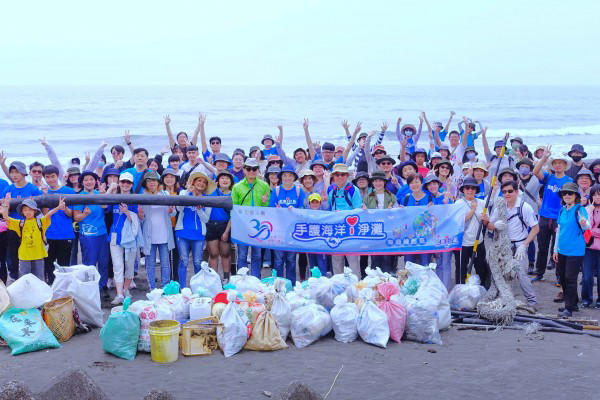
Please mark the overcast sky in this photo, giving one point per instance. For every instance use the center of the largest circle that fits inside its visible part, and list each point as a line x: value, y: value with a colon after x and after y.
x: 300, y: 42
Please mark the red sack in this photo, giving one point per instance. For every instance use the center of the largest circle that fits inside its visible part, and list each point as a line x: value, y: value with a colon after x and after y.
x: 395, y: 311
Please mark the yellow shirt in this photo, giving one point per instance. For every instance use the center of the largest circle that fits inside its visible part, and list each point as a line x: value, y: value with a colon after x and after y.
x: 32, y: 245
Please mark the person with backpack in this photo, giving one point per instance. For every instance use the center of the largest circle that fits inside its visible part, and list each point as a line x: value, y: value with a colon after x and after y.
x: 551, y: 205
x: 287, y: 195
x: 191, y: 165
x: 522, y: 227
x: 495, y: 164
x: 343, y: 195
x: 60, y: 233
x: 218, y: 228
x: 480, y: 172
x: 32, y: 233
x: 529, y: 186
x: 250, y: 191
x: 591, y: 259
x: 569, y: 247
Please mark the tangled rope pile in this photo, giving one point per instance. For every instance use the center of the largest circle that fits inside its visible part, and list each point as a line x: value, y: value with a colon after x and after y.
x: 498, y: 304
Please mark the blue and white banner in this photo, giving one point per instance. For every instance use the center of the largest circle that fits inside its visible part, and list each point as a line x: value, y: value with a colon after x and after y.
x: 424, y: 229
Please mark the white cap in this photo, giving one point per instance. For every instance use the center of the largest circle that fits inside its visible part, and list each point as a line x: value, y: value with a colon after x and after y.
x: 126, y: 176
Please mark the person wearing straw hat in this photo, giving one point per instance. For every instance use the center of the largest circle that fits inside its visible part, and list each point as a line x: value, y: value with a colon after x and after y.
x: 569, y: 247
x: 342, y: 195
x: 551, y: 205
x: 190, y: 228
x: 219, y: 227
x: 254, y: 192
x: 473, y: 216
x: 31, y: 229
x: 157, y: 231
x: 480, y: 172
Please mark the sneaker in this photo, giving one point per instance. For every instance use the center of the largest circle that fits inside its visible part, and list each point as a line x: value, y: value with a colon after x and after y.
x: 597, y: 304
x: 557, y: 284
x: 265, y: 265
x: 537, y: 278
x: 550, y: 267
x: 117, y: 300
x: 586, y: 304
x: 565, y: 314
x: 110, y: 283
x: 132, y: 285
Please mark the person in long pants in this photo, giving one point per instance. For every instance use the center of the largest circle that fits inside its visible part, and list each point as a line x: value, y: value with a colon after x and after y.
x: 591, y: 260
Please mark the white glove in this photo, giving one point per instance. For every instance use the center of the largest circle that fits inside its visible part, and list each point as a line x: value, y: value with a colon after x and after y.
x: 521, y: 252
x: 500, y: 225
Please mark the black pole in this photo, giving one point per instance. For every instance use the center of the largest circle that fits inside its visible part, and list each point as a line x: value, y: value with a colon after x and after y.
x: 51, y: 200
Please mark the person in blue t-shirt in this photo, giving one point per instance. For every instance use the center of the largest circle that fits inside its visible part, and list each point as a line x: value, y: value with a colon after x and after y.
x: 218, y: 228
x: 268, y: 142
x: 20, y: 188
x: 287, y: 195
x: 551, y: 205
x: 416, y: 197
x: 140, y: 157
x: 92, y: 230
x: 569, y: 247
x: 60, y: 234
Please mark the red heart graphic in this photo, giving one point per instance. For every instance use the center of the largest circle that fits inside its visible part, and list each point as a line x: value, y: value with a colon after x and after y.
x: 352, y: 220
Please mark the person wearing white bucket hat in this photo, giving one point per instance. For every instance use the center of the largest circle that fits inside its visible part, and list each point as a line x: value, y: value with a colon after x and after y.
x: 551, y: 205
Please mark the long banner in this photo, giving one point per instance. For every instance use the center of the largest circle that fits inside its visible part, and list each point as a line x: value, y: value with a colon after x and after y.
x: 423, y: 229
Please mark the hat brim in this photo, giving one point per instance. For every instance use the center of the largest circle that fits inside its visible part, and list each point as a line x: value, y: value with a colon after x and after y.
x: 288, y: 172
x: 561, y: 193
x: 461, y: 189
x: 210, y: 185
x: 584, y: 154
x: 20, y: 208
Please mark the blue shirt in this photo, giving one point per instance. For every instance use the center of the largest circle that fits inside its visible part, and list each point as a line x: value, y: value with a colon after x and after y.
x: 570, y: 236
x: 207, y: 154
x: 93, y: 224
x: 337, y: 199
x: 551, y: 202
x: 119, y: 218
x: 401, y: 193
x: 20, y: 193
x: 481, y: 194
x: 410, y: 201
x: 3, y: 186
x: 440, y: 199
x: 137, y: 177
x: 293, y: 197
x: 192, y: 225
x: 271, y: 151
x: 61, y: 227
x: 219, y: 214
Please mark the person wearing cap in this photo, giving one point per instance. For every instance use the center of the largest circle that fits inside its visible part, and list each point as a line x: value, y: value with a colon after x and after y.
x: 591, y: 260
x: 268, y: 142
x: 342, y: 195
x: 584, y: 181
x: 480, y: 172
x: 570, y: 244
x: 157, y: 232
x: 301, y: 159
x: 92, y: 230
x: 493, y: 158
x: 218, y: 228
x: 59, y: 234
x: 250, y: 191
x: 521, y: 226
x: 473, y: 216
x: 19, y: 188
x: 432, y: 184
x: 31, y: 230
x: 287, y: 195
x: 122, y: 238
x: 72, y: 179
x: 577, y: 154
x: 551, y: 205
x: 190, y: 228
x: 386, y: 164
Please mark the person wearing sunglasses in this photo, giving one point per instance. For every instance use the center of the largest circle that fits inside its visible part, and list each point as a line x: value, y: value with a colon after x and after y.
x: 386, y: 164
x: 250, y: 191
x: 474, y: 211
x: 569, y: 247
x: 35, y: 171
x: 522, y: 227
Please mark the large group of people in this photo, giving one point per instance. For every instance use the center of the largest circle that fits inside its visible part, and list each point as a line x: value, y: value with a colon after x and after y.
x: 552, y: 200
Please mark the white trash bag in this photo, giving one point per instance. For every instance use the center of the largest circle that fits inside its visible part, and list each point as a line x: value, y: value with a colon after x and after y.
x: 421, y: 321
x: 432, y: 290
x: 372, y: 322
x: 309, y: 323
x: 233, y: 335
x: 178, y: 304
x: 29, y: 291
x: 200, y: 307
x: 149, y: 311
x: 244, y: 282
x: 346, y: 279
x: 207, y: 279
x: 466, y: 296
x: 281, y: 309
x: 80, y: 282
x: 344, y: 318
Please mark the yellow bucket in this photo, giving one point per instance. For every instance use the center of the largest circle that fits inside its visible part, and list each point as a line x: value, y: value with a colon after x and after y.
x: 164, y: 341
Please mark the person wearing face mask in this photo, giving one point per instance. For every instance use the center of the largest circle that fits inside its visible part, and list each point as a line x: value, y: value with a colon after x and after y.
x: 529, y: 185
x: 577, y: 154
x: 515, y: 143
x: 470, y: 155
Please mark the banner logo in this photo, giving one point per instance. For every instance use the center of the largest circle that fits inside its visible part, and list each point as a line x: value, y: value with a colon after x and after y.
x: 262, y: 230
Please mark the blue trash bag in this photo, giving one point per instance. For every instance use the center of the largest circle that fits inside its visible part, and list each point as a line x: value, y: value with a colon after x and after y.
x: 271, y: 280
x: 171, y: 288
x: 121, y: 333
x: 24, y: 330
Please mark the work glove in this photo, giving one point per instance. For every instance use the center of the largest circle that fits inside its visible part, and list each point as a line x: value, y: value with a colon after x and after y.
x: 521, y: 252
x: 500, y: 225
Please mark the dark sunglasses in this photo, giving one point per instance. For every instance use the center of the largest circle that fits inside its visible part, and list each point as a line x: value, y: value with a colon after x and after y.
x: 215, y: 142
x: 444, y: 167
x: 508, y: 191
x: 36, y: 171
x: 249, y: 169
x: 380, y: 152
x: 568, y: 194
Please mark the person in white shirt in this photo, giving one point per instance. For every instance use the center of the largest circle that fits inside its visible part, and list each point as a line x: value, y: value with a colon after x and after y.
x: 522, y: 227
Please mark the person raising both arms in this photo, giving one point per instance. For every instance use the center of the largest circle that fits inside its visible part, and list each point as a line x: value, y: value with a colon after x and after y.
x: 182, y: 139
